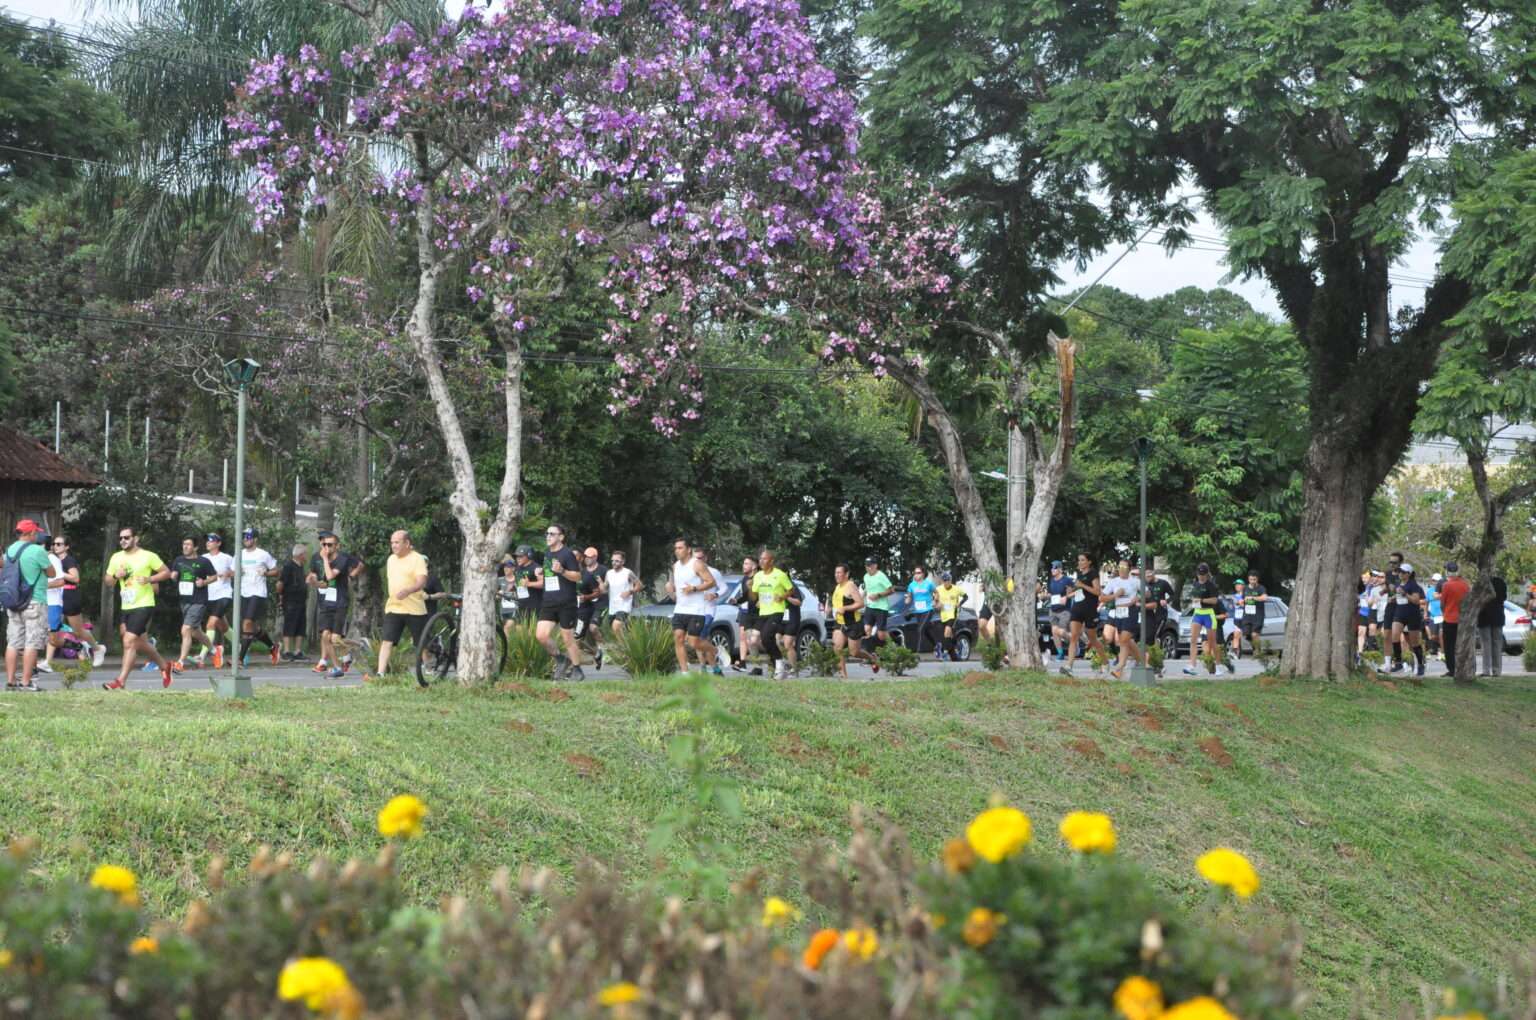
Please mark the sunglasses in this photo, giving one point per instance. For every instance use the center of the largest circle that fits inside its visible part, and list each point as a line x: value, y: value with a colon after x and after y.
x: 125, y: 538
x: 58, y: 544
x: 327, y: 545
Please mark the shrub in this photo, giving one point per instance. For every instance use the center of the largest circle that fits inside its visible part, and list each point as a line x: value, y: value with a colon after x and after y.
x: 645, y: 648
x: 822, y: 659
x: 1155, y: 657
x: 526, y: 654
x: 992, y: 654
x: 1528, y: 653
x: 899, y: 659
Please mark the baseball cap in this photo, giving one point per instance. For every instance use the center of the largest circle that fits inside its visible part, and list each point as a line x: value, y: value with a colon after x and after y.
x: 1204, y: 568
x: 1055, y: 564
x: 214, y: 536
x: 27, y: 527
x: 1452, y: 567
x: 249, y: 533
x: 946, y: 576
x: 871, y: 561
x: 1437, y: 577
x: 525, y: 550
x: 1378, y: 573
x: 1406, y: 568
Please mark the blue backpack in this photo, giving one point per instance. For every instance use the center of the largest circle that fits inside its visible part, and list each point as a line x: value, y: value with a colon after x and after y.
x: 15, y: 592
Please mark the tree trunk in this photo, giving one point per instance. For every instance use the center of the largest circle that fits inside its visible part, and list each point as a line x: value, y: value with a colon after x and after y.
x: 1488, y: 546
x: 1320, y: 634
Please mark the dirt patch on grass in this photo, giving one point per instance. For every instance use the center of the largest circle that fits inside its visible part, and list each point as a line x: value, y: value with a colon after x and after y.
x: 519, y: 725
x: 1216, y: 751
x: 1067, y: 681
x: 1087, y: 748
x: 998, y: 742
x: 611, y: 697
x: 514, y: 687
x: 1143, y: 754
x: 1149, y: 719
x: 584, y: 765
x: 557, y: 694
x: 1124, y: 768
x: 975, y: 677
x: 794, y: 746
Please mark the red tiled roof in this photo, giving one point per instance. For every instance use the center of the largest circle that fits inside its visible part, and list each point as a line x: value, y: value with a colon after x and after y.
x: 24, y: 459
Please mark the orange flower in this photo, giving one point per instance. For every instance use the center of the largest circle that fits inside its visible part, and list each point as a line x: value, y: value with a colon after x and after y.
x: 981, y: 927
x: 958, y: 856
x: 822, y: 943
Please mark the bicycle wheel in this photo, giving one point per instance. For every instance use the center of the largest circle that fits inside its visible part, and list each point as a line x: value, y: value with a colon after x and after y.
x: 437, y: 658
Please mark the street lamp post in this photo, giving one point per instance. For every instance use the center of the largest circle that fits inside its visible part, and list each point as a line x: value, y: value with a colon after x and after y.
x: 1143, y: 675
x: 241, y: 372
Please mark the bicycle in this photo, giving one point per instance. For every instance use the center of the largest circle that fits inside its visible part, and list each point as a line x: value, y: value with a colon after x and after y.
x: 437, y: 657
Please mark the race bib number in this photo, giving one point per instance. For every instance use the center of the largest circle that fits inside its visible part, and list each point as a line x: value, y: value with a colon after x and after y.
x: 1057, y: 600
x: 551, y: 582
x: 1077, y: 596
x: 1250, y: 610
x: 786, y: 616
x: 329, y: 594
x: 522, y: 591
x: 185, y: 588
x: 508, y: 605
x: 1121, y: 613
x: 1402, y: 600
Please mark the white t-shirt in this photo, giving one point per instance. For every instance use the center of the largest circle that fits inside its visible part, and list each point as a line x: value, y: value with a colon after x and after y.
x: 221, y: 587
x: 695, y: 603
x: 55, y: 595
x: 1124, y: 591
x: 254, y: 564
x: 619, y: 582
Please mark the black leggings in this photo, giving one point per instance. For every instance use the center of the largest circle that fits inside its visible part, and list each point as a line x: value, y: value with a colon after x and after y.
x: 768, y: 627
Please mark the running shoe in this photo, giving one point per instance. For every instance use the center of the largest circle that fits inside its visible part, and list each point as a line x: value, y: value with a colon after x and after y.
x: 716, y: 670
x: 1231, y: 669
x: 337, y: 673
x: 874, y: 666
x: 99, y: 655
x: 218, y: 656
x: 1115, y: 673
x: 43, y: 667
x: 320, y: 667
x: 165, y: 676
x: 276, y: 657
x: 179, y: 666
x: 1065, y: 671
x: 575, y: 673
x: 346, y: 664
x: 148, y: 667
x: 114, y: 685
x: 368, y: 678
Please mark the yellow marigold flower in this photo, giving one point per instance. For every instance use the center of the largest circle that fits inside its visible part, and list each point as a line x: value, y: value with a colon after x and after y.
x: 144, y: 944
x: 998, y: 833
x: 1138, y: 998
x: 958, y: 856
x: 981, y: 926
x: 861, y: 942
x: 321, y: 983
x: 620, y: 994
x: 6, y: 959
x: 402, y: 817
x: 1472, y: 1015
x: 1203, y: 1008
x: 777, y: 912
x: 118, y: 880
x: 1229, y: 868
x: 820, y: 945
x: 1088, y: 832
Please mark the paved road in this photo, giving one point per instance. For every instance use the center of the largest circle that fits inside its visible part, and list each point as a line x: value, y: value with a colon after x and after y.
x: 266, y: 674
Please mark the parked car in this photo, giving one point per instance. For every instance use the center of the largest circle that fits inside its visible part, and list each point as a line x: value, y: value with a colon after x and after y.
x: 724, y: 632
x: 910, y: 629
x: 1275, y: 614
x: 1517, y: 623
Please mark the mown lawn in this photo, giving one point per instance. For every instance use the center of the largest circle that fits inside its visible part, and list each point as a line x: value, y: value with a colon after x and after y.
x: 1394, y: 826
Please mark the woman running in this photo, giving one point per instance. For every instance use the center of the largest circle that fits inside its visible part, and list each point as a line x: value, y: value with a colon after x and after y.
x: 1125, y: 591
x: 1206, y: 598
x: 1085, y: 610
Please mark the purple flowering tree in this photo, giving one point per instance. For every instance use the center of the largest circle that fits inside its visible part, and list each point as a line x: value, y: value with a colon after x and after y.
x: 679, y: 150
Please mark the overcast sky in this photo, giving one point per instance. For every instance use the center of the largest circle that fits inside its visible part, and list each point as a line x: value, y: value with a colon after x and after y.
x: 1147, y: 271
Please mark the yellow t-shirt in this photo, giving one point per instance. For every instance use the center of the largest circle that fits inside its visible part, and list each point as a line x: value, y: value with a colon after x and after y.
x: 949, y: 601
x: 846, y: 594
x: 771, y: 587
x: 405, y: 572
x: 137, y: 593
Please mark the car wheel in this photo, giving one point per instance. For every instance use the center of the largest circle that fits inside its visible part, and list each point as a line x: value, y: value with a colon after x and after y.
x: 806, y: 639
x: 721, y: 637
x: 963, y: 646
x: 1169, y: 639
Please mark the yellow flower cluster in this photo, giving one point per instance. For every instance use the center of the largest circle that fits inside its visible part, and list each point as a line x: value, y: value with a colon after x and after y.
x: 777, y: 912
x: 861, y: 944
x: 981, y: 927
x: 402, y: 817
x: 1230, y: 869
x: 1088, y: 832
x: 998, y: 833
x: 1469, y: 1015
x: 322, y: 986
x: 620, y: 993
x: 119, y: 880
x: 1139, y: 998
x: 6, y: 958
x: 143, y: 944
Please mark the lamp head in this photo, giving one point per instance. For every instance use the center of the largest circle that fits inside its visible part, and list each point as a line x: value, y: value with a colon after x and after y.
x: 242, y: 371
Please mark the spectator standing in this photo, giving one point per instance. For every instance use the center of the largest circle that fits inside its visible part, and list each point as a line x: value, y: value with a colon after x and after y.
x: 1490, y: 629
x: 293, y: 592
x: 1453, y: 590
x: 26, y: 627
x: 406, y: 577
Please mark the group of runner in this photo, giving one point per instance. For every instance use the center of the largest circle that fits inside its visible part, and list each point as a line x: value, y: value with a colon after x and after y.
x: 1401, y: 617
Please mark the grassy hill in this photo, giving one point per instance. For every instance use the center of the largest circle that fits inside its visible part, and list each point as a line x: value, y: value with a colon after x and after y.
x: 1394, y: 826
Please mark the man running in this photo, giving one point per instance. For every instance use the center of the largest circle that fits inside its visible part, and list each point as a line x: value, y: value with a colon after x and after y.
x: 771, y: 585
x: 331, y: 571
x: 405, y: 581
x: 221, y: 593
x: 562, y: 575
x: 747, y: 622
x: 193, y: 574
x: 26, y: 630
x: 73, y: 604
x: 256, y: 565
x: 1157, y: 596
x: 1084, y: 612
x: 1057, y: 588
x: 1206, y: 599
x: 136, y: 571
x: 293, y: 592
x: 530, y: 584
x: 586, y: 605
x: 877, y: 604
x: 1251, y: 623
x: 690, y: 588
x: 1124, y: 594
x: 847, y: 605
x: 622, y: 585
x: 950, y: 598
x: 1393, y: 634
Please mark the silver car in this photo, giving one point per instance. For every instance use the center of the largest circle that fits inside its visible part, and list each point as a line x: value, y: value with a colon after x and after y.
x: 1275, y: 614
x: 724, y: 632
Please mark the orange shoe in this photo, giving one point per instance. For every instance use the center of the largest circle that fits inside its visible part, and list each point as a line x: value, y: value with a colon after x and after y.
x: 275, y: 658
x: 178, y: 666
x: 320, y: 667
x: 218, y: 656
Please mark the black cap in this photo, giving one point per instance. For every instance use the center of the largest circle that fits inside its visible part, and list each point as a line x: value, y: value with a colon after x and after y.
x: 871, y: 561
x: 1452, y: 567
x: 525, y: 550
x: 946, y: 576
x: 214, y: 536
x: 1204, y: 568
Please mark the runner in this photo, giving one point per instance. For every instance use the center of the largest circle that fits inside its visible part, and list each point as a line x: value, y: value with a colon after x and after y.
x: 1110, y: 635
x: 1239, y: 601
x: 771, y: 585
x: 406, y: 579
x: 562, y: 575
x: 622, y: 585
x: 1408, y: 620
x: 586, y: 606
x: 1124, y: 593
x: 789, y: 629
x: 193, y: 574
x: 877, y: 604
x: 54, y: 601
x: 1392, y: 634
x: 951, y: 598
x: 73, y: 604
x: 26, y: 630
x: 293, y: 593
x: 1084, y: 611
x: 1057, y: 587
x: 1365, y: 618
x: 1206, y: 600
x: 1432, y: 614
x: 256, y: 565
x: 746, y: 615
x: 136, y: 571
x: 1251, y: 622
x: 690, y: 590
x: 530, y: 584
x: 221, y: 593
x: 705, y: 645
x: 847, y: 618
x: 920, y: 606
x: 1157, y: 596
x: 507, y: 595
x: 330, y: 573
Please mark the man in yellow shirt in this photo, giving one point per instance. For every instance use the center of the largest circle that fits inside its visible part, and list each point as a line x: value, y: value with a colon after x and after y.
x: 848, y: 620
x: 950, y: 596
x: 136, y: 571
x: 405, y: 581
x: 772, y: 586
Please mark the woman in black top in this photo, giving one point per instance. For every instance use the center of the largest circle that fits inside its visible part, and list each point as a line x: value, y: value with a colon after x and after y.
x: 1083, y: 603
x: 1490, y: 628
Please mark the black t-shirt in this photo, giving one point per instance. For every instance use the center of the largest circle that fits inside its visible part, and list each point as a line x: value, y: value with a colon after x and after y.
x: 589, y: 582
x: 1407, y: 590
x: 746, y: 599
x: 525, y: 572
x: 67, y: 564
x: 559, y: 590
x: 1492, y: 615
x: 293, y: 581
x: 342, y: 563
x: 1158, y: 594
x: 1251, y: 593
x: 1205, y: 590
x: 188, y: 570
